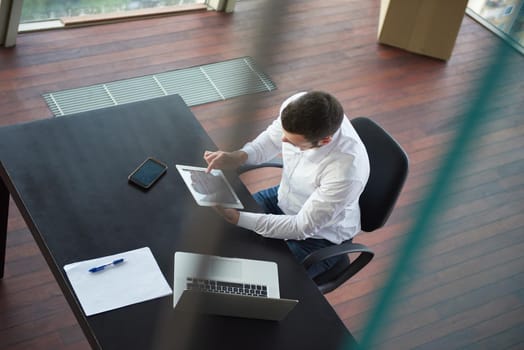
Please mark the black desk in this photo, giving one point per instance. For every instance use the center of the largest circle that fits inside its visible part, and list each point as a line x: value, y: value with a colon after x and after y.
x: 68, y: 177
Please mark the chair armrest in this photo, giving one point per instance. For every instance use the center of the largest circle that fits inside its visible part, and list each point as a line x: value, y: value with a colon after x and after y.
x: 335, y: 250
x: 248, y: 167
x: 362, y: 260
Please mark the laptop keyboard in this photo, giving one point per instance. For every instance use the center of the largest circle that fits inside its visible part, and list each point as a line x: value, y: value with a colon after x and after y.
x: 205, y: 285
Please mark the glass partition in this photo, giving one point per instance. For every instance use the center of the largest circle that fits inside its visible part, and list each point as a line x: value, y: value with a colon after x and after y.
x: 504, y: 17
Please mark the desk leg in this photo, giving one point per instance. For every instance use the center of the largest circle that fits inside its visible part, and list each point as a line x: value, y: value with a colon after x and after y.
x: 4, y: 212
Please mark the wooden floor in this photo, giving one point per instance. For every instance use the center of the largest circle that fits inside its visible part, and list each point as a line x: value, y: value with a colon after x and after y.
x: 465, y: 287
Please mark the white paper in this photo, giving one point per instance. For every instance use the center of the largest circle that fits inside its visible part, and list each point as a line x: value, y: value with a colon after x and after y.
x: 135, y: 280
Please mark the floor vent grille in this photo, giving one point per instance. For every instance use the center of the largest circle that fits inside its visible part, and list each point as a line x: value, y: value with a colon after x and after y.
x: 196, y: 85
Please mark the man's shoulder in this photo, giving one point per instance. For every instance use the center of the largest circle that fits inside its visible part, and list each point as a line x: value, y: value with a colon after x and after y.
x: 338, y: 160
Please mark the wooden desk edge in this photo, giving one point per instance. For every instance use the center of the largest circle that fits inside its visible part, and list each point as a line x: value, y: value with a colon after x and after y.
x: 7, y: 188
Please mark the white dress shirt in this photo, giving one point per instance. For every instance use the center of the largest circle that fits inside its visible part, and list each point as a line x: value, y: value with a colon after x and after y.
x: 320, y: 187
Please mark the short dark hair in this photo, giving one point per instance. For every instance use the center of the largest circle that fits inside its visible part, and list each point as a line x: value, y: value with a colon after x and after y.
x: 314, y: 115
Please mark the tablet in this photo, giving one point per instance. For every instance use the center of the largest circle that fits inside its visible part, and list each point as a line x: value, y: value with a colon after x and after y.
x: 209, y: 189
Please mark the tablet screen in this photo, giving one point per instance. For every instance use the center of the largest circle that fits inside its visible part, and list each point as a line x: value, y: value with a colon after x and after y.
x: 209, y: 189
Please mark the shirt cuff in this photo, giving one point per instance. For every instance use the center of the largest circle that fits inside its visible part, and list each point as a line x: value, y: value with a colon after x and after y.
x: 248, y: 220
x: 250, y: 153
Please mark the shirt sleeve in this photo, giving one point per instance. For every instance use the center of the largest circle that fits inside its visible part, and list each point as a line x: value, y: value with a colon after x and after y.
x: 320, y: 209
x: 266, y: 145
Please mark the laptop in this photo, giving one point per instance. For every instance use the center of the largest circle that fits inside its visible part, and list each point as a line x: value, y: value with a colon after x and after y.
x: 228, y: 287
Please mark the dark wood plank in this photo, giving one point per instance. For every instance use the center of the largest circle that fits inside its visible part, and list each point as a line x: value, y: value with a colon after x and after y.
x: 464, y: 290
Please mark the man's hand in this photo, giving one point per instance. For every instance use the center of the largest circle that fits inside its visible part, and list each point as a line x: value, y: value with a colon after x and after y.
x: 224, y: 160
x: 230, y: 215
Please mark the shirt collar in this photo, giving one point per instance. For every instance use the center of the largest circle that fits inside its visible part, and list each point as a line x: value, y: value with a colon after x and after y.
x: 318, y: 153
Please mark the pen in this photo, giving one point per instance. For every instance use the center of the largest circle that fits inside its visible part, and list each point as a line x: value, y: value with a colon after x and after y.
x: 102, y: 267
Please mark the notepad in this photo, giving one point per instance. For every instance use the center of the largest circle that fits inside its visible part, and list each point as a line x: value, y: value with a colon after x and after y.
x: 136, y: 280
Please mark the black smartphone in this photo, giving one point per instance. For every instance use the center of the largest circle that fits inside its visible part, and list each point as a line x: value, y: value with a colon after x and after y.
x: 147, y: 173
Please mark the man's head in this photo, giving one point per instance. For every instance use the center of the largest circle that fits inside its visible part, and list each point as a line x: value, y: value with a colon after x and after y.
x: 311, y: 120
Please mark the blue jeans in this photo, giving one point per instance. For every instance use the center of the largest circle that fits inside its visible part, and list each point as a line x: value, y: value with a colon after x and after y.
x: 268, y: 201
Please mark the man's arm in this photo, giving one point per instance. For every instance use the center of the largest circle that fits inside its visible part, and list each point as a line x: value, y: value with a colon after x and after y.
x: 224, y: 160
x: 264, y: 147
x: 335, y: 193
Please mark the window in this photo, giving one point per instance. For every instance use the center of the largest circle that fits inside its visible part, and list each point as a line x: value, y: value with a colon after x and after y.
x: 57, y: 13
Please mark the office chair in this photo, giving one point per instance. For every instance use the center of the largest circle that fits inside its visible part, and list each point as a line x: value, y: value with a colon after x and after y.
x: 388, y: 172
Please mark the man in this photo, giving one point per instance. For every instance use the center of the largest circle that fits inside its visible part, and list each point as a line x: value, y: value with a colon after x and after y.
x: 326, y: 168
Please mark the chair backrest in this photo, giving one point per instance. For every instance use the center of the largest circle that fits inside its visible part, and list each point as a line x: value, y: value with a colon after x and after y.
x: 388, y: 172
